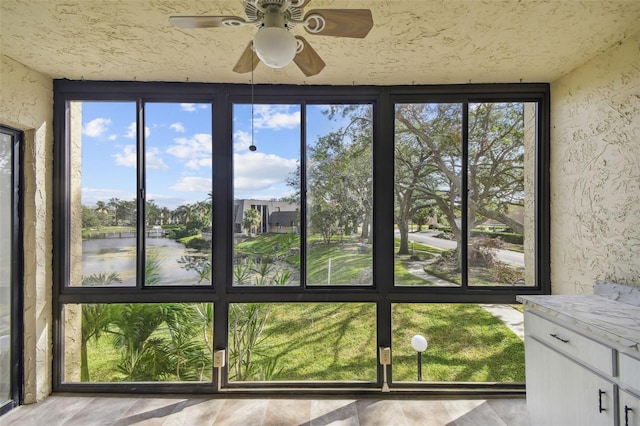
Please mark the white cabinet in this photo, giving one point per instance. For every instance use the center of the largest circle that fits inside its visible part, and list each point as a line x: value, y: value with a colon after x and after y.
x: 629, y: 409
x: 582, y: 355
x: 562, y: 392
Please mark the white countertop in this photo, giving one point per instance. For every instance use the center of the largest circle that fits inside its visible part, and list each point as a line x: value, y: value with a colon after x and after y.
x: 595, y: 316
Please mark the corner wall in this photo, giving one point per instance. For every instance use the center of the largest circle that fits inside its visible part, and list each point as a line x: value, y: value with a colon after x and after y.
x: 595, y: 172
x: 26, y: 103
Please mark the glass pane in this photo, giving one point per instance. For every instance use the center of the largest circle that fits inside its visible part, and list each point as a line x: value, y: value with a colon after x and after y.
x: 103, y: 193
x: 6, y: 231
x: 302, y: 342
x: 339, y: 195
x: 501, y: 191
x: 178, y: 169
x: 465, y: 343
x: 134, y: 342
x: 266, y: 209
x: 428, y: 183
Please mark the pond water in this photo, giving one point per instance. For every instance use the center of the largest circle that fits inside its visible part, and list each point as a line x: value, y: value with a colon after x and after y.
x: 104, y: 256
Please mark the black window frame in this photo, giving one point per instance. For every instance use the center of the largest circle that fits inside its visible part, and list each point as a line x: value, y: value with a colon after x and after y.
x: 221, y: 292
x: 16, y: 279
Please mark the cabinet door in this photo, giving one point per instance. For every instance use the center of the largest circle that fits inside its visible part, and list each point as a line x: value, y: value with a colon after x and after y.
x: 561, y: 392
x: 629, y: 409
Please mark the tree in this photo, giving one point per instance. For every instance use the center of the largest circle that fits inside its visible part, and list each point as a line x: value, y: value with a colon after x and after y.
x: 339, y: 175
x: 428, y: 163
x: 251, y: 220
x: 90, y: 219
x: 114, y: 204
x: 422, y: 217
x: 96, y: 318
x: 103, y: 213
x: 152, y: 211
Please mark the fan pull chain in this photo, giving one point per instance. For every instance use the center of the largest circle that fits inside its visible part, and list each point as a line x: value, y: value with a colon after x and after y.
x: 253, y: 146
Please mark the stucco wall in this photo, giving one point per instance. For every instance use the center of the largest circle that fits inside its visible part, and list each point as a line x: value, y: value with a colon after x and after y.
x: 26, y: 103
x: 595, y: 172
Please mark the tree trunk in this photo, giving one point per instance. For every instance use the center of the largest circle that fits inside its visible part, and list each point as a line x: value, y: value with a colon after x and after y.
x: 365, y: 228
x: 403, y: 227
x: 84, y: 366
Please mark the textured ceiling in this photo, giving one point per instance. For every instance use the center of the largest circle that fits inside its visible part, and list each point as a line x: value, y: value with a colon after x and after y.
x: 412, y: 41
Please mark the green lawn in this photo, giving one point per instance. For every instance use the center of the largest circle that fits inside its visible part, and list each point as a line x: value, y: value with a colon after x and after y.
x: 337, y: 341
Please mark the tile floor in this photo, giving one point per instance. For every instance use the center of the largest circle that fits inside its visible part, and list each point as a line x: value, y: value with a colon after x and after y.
x: 198, y: 410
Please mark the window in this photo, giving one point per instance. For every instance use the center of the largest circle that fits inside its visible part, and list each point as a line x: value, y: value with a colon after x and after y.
x: 259, y: 229
x: 485, y: 150
x: 11, y: 281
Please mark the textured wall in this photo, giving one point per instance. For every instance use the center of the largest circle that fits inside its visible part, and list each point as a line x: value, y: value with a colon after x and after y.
x: 26, y: 99
x: 595, y: 172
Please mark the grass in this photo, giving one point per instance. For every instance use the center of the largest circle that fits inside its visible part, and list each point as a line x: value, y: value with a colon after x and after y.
x: 466, y: 344
x: 337, y: 341
x: 106, y: 230
x: 346, y: 264
x: 102, y: 360
x: 320, y: 342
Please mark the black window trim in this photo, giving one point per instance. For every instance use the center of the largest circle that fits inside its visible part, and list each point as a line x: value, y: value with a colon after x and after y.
x: 222, y: 97
x: 16, y: 278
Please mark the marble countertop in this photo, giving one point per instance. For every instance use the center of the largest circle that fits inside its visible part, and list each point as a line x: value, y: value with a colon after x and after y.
x: 595, y: 316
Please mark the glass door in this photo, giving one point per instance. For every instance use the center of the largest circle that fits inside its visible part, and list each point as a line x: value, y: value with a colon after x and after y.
x: 10, y: 300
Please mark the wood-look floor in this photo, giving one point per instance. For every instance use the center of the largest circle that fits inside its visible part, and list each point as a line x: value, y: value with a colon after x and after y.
x: 198, y: 410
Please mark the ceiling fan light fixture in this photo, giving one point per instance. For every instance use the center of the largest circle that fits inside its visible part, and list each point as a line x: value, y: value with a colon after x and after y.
x: 275, y: 46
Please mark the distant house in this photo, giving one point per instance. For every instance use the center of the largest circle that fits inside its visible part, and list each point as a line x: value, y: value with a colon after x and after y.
x: 277, y: 216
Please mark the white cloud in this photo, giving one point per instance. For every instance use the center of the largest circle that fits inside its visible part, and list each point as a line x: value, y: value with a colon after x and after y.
x: 256, y: 170
x: 196, y: 151
x: 90, y: 196
x: 154, y: 161
x: 131, y: 131
x: 96, y: 127
x: 198, y: 163
x: 128, y: 158
x: 178, y: 127
x: 188, y: 107
x: 241, y: 140
x: 275, y: 117
x: 192, y: 184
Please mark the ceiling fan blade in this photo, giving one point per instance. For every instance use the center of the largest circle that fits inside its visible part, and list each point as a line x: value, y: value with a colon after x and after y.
x: 248, y: 61
x: 354, y: 23
x: 309, y: 62
x: 188, y: 22
x: 300, y: 3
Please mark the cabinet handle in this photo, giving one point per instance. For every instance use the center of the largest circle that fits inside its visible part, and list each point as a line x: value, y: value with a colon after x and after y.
x: 600, y: 393
x: 554, y: 335
x: 626, y: 415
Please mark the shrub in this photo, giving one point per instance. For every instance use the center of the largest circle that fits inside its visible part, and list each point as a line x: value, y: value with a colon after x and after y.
x: 507, y: 237
x: 198, y: 244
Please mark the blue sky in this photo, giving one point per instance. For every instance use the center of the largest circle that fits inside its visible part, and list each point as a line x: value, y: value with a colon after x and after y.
x: 179, y: 150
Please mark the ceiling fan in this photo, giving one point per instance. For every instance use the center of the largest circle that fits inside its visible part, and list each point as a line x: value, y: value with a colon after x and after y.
x: 274, y: 44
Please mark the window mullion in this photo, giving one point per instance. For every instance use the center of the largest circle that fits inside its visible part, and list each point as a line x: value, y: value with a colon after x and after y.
x: 464, y: 196
x: 140, y: 196
x: 302, y: 227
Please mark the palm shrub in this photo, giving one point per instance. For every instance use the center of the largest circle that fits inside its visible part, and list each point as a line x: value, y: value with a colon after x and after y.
x: 247, y: 322
x: 96, y: 318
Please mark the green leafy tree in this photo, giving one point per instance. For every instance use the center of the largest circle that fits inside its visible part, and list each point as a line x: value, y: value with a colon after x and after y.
x: 339, y: 173
x: 96, y: 318
x: 428, y: 153
x: 90, y: 219
x: 251, y: 220
x: 422, y: 217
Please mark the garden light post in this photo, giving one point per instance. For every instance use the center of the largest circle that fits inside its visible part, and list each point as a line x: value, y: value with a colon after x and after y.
x: 419, y: 344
